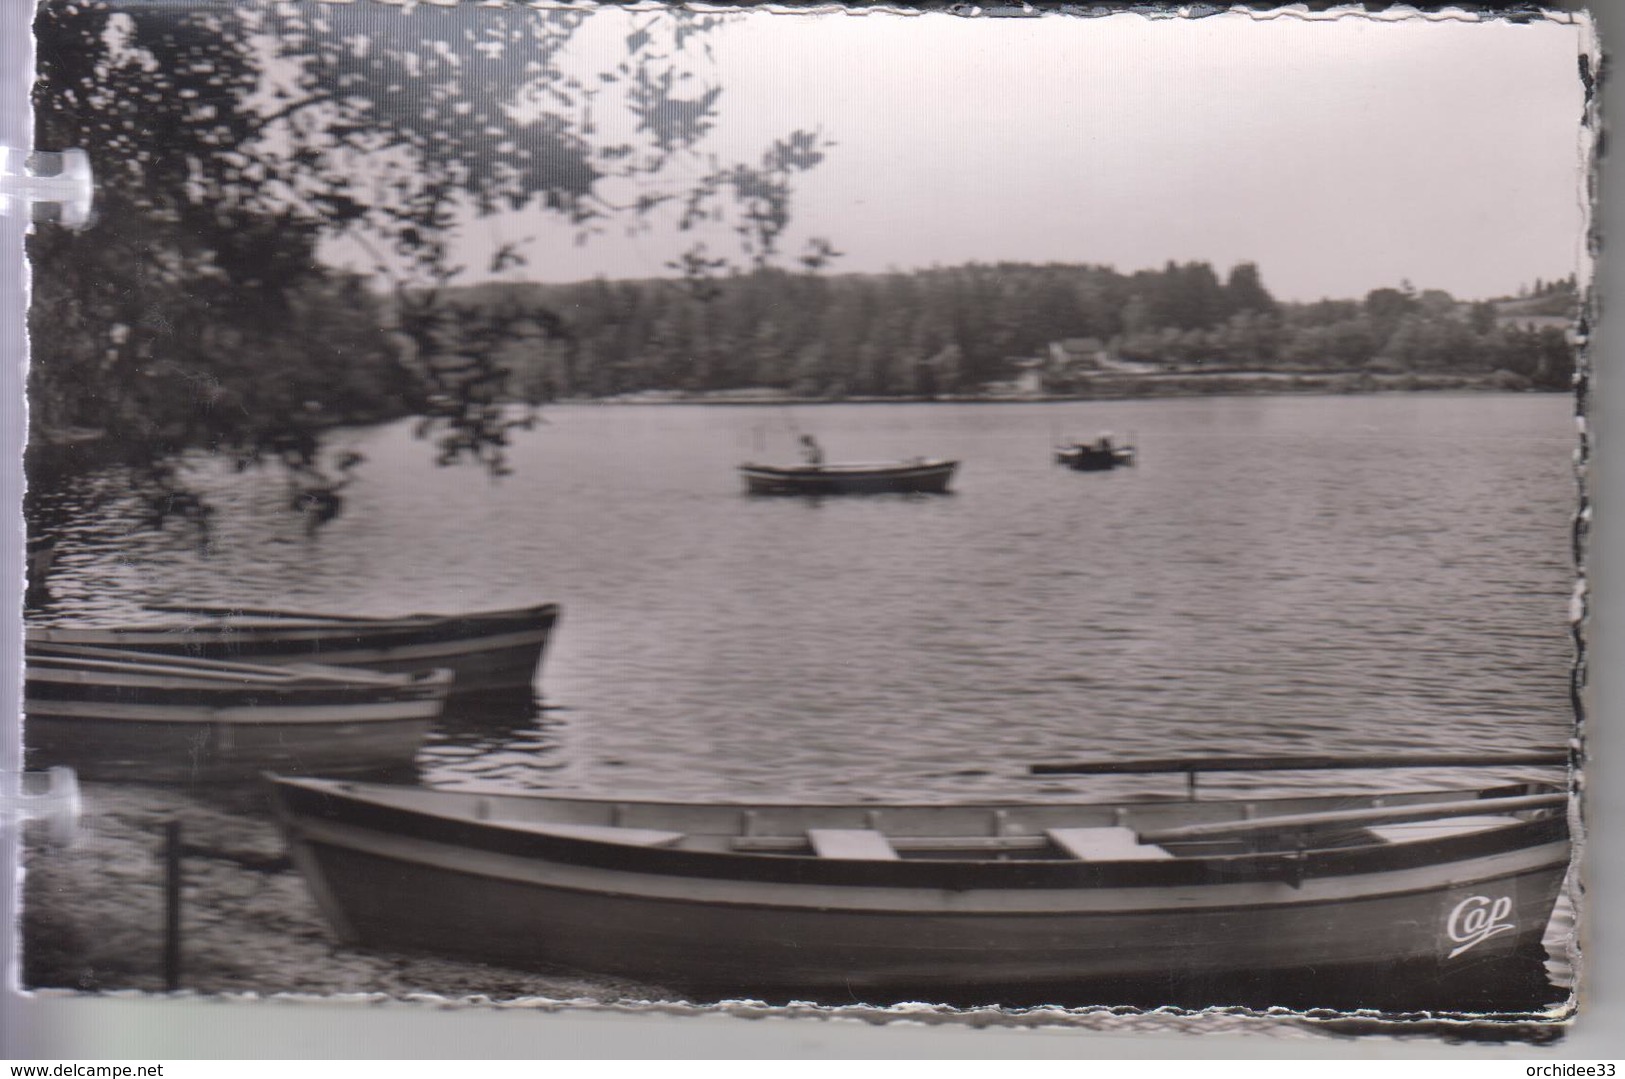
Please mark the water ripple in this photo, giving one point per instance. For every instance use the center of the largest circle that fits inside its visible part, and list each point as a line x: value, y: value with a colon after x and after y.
x: 1272, y: 576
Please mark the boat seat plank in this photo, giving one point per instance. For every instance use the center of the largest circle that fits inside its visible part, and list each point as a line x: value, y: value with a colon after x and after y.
x: 1105, y: 845
x: 598, y: 833
x: 857, y: 844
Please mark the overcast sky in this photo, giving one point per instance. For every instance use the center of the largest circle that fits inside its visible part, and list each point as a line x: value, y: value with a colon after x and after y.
x: 1339, y: 155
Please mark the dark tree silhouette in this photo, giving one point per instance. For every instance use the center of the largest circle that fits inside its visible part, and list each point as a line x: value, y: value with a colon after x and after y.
x: 1244, y: 290
x: 954, y: 330
x: 235, y: 143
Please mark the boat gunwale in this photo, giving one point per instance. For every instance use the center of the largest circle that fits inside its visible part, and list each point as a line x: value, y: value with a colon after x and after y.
x: 296, y: 797
x: 361, y: 790
x: 1296, y: 899
x: 143, y: 668
x: 347, y: 627
x: 850, y: 471
x: 160, y: 704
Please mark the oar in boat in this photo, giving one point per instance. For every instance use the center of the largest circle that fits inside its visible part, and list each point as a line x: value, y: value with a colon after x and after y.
x: 1306, y: 764
x: 1190, y: 767
x: 1468, y: 807
x: 790, y: 421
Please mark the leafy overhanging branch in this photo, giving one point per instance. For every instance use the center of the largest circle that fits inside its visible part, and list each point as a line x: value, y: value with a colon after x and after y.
x: 237, y: 143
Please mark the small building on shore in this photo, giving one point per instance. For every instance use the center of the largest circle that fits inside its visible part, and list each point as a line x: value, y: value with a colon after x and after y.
x: 1077, y: 355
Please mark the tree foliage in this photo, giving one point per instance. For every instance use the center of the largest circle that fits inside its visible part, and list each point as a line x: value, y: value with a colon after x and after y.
x: 237, y: 145
x: 957, y: 329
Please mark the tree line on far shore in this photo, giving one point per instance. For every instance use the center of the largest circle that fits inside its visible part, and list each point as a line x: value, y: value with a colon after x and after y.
x: 962, y: 329
x: 944, y: 331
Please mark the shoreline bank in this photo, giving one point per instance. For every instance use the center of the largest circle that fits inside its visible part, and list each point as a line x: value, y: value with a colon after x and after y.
x: 1107, y: 388
x: 93, y: 913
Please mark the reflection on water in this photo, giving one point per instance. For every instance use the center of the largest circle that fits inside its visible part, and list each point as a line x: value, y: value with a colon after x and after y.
x: 1275, y: 575
x: 495, y: 743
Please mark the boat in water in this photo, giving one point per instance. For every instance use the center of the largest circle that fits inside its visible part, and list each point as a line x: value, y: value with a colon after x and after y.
x: 1428, y: 898
x: 488, y: 652
x: 1101, y: 455
x: 112, y: 714
x: 919, y: 476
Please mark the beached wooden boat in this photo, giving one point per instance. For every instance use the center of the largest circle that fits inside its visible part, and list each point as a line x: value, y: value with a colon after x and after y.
x: 488, y: 652
x: 1312, y: 900
x: 921, y: 476
x: 1093, y: 456
x: 111, y: 714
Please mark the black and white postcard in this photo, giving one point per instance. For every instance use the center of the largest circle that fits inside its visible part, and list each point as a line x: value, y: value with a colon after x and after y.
x: 1043, y: 515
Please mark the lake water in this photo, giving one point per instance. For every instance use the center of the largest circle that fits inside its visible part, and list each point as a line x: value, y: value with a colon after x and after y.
x: 1277, y: 575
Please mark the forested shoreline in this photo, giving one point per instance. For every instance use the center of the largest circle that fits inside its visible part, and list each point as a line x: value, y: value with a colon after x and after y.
x: 1012, y: 329
x: 979, y: 331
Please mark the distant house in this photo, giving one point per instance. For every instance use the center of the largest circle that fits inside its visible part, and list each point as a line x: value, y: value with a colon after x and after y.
x: 1028, y: 380
x: 1029, y: 375
x: 1074, y: 355
x: 1139, y: 367
x: 1082, y: 355
x: 1537, y: 322
x: 1555, y: 307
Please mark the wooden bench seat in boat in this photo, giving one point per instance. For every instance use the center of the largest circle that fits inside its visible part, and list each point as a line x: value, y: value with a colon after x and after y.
x: 598, y: 833
x: 1085, y: 844
x: 1105, y: 845
x: 857, y: 844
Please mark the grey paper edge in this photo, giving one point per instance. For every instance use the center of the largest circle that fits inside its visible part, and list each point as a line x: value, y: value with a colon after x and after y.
x: 134, y: 1026
x: 16, y: 129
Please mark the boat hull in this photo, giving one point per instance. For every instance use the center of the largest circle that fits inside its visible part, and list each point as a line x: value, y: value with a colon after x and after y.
x: 225, y: 752
x: 926, y: 477
x: 1331, y: 953
x: 495, y: 652
x: 1093, y: 459
x: 1379, y: 938
x: 146, y: 723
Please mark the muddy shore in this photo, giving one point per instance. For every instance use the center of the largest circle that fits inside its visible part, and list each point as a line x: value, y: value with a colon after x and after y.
x: 93, y: 912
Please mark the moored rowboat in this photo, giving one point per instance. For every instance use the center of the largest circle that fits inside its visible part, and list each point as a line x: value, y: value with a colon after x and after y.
x: 921, y: 476
x: 487, y: 652
x: 1388, y: 900
x: 131, y: 716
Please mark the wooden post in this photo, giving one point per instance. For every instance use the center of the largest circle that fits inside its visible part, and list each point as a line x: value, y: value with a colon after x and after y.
x: 172, y: 906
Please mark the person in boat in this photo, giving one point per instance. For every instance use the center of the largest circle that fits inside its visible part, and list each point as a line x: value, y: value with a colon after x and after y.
x: 811, y: 452
x: 1104, y: 443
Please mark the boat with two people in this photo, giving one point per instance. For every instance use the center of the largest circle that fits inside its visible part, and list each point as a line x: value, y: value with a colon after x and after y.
x: 1101, y: 455
x: 487, y: 652
x: 113, y: 714
x: 1431, y: 897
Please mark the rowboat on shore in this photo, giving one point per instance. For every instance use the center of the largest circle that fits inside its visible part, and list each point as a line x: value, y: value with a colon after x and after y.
x: 488, y: 652
x: 111, y: 714
x: 919, y: 476
x: 1426, y: 898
